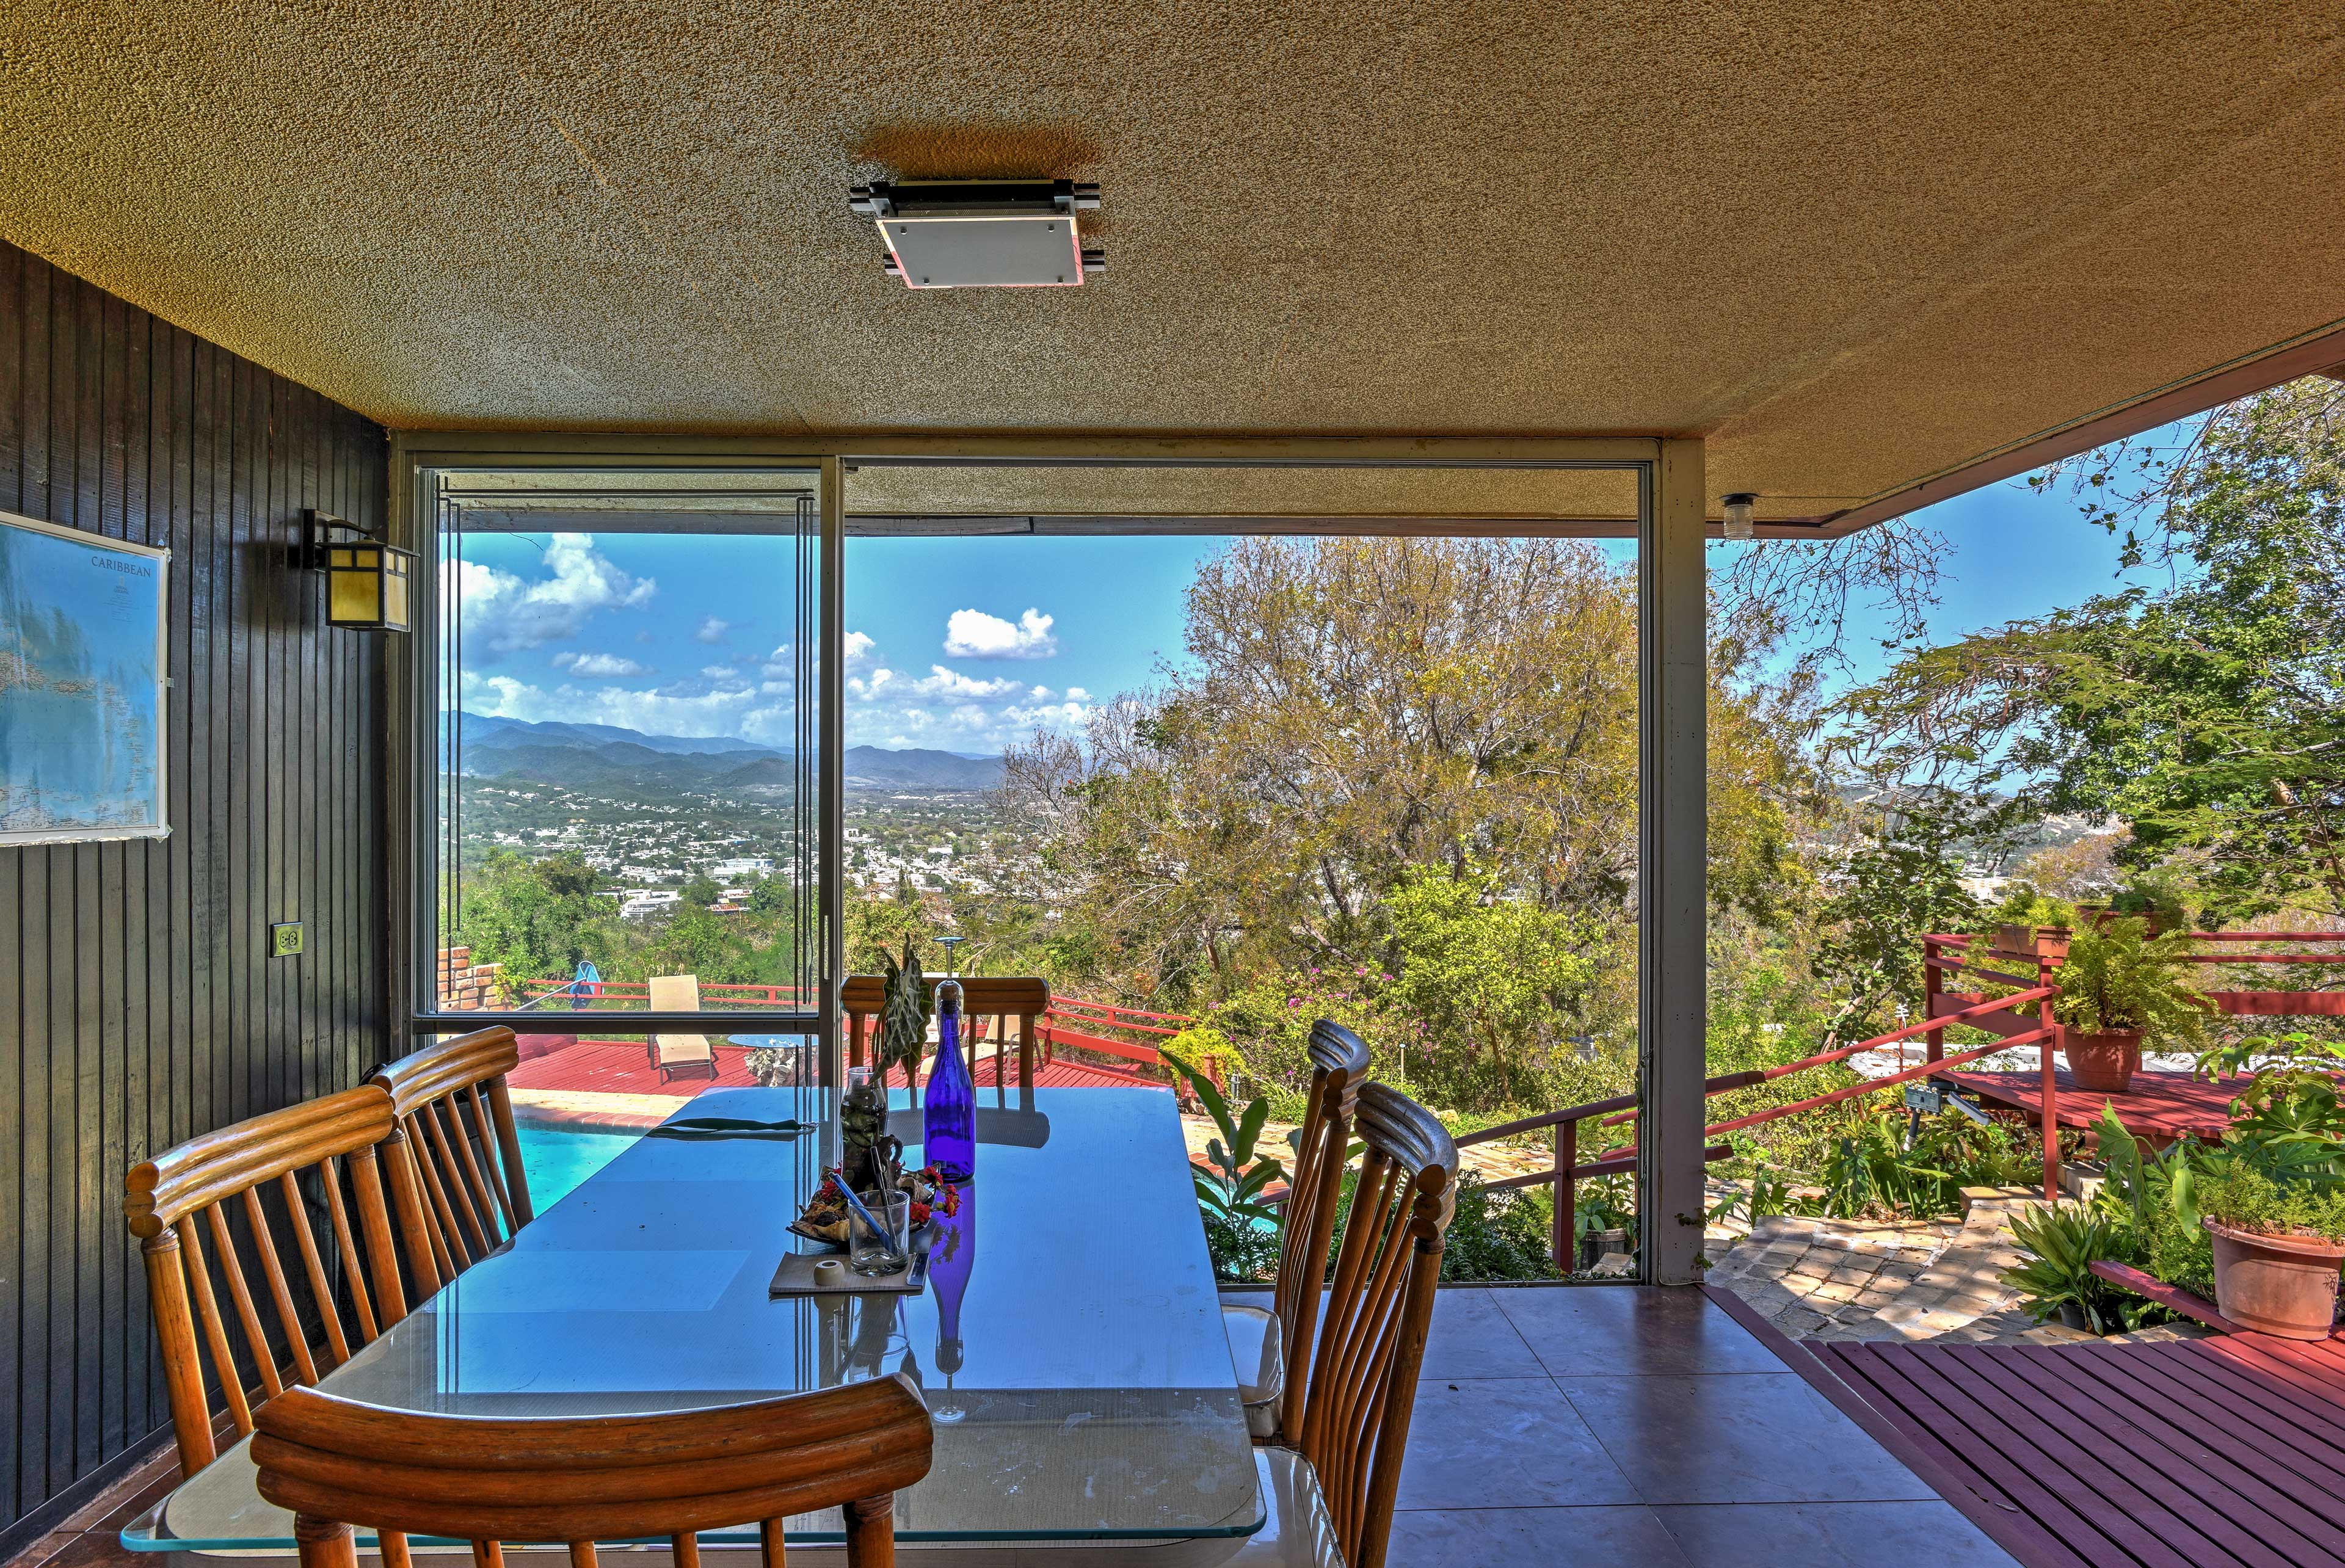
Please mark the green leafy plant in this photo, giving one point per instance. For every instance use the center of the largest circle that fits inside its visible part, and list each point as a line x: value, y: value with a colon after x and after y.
x: 1872, y: 1171
x: 2292, y: 1049
x: 2289, y: 1124
x: 2063, y: 1241
x: 2235, y: 1193
x: 1242, y: 1230
x: 2157, y: 896
x: 2118, y: 977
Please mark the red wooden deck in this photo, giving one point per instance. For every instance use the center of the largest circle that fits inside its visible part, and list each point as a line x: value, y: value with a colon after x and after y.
x: 618, y: 1067
x: 2160, y: 1104
x: 2181, y: 1454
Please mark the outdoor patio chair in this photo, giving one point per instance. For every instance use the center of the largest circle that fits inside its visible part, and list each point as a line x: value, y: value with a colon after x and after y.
x: 1331, y: 1496
x: 453, y: 1159
x: 679, y: 1056
x: 577, y: 1480
x: 1265, y: 1342
x: 228, y: 1182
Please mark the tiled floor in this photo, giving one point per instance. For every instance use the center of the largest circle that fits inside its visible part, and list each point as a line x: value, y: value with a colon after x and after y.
x: 1562, y: 1425
x: 1608, y: 1424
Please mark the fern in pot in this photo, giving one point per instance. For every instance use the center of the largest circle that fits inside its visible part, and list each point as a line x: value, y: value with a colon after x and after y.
x: 2121, y: 988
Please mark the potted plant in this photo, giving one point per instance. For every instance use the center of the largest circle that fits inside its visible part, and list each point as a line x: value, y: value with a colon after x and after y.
x: 2027, y: 925
x: 2278, y: 1244
x: 2120, y: 986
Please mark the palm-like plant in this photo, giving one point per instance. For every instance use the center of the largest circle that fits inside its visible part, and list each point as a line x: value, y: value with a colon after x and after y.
x: 2063, y: 1241
x: 1231, y: 1180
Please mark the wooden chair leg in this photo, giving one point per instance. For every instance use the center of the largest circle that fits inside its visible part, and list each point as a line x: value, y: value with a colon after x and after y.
x: 871, y: 1532
x: 324, y: 1543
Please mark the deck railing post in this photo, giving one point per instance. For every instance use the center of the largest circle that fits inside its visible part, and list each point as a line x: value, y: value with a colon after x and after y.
x: 2047, y: 1050
x: 1933, y: 982
x: 1562, y: 1230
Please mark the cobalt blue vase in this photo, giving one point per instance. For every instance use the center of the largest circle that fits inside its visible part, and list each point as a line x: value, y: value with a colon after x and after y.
x: 948, y: 1123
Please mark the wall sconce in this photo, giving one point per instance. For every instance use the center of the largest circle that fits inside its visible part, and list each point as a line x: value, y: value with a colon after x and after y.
x: 367, y: 581
x: 1741, y: 515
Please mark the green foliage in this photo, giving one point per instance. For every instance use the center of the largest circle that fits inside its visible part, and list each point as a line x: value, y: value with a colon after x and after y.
x: 1871, y: 1170
x: 2205, y: 710
x: 700, y: 892
x: 2237, y: 1194
x: 1231, y: 1181
x: 539, y: 918
x: 2023, y: 905
x: 1891, y: 893
x: 2063, y: 1240
x: 1498, y: 1235
x: 2119, y: 976
x: 2253, y: 1051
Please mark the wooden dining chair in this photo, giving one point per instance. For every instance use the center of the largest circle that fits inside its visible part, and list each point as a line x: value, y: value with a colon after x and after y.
x: 578, y: 1480
x: 1266, y: 1344
x: 223, y: 1182
x: 453, y: 1161
x: 1330, y: 1498
x: 994, y: 998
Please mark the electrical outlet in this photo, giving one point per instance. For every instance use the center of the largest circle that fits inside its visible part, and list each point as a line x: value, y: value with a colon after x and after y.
x: 285, y: 939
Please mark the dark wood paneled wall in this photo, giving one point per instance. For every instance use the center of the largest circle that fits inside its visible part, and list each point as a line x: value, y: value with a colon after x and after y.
x: 138, y: 1004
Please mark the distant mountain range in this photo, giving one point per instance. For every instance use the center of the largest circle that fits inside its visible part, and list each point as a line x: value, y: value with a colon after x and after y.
x: 584, y: 757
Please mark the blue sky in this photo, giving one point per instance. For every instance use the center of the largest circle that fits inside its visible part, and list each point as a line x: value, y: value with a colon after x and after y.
x: 968, y: 644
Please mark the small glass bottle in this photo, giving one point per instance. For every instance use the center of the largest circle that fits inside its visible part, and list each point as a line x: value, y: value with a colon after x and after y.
x: 948, y: 1123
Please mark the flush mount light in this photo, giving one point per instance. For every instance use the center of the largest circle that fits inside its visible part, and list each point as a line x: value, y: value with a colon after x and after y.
x: 1741, y: 515
x: 981, y: 233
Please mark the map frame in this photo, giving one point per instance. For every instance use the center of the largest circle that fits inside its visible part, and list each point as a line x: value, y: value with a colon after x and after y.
x: 162, y: 558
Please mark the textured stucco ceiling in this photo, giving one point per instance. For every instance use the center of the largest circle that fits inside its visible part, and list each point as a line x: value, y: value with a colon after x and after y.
x: 1853, y: 246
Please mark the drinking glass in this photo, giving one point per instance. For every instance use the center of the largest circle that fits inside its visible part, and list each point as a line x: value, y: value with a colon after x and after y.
x: 873, y: 1251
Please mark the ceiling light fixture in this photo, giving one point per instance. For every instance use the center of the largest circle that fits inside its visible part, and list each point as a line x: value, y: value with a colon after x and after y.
x: 981, y: 233
x: 1741, y: 515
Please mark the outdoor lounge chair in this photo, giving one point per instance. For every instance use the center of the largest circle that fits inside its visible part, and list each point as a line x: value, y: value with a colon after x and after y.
x: 679, y: 1056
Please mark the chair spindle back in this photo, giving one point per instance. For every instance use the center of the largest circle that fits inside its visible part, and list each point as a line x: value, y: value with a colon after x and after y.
x: 577, y: 1480
x: 1339, y: 1066
x: 1378, y: 1309
x: 184, y: 1205
x: 454, y: 1162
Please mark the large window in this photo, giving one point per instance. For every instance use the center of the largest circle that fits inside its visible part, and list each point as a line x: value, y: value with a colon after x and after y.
x: 622, y: 813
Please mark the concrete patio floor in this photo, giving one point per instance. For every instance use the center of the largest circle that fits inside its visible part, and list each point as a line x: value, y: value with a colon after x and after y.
x: 1568, y: 1424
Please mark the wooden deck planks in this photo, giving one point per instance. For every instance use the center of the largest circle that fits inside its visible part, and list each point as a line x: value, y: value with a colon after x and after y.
x: 2162, y: 1104
x: 2229, y: 1449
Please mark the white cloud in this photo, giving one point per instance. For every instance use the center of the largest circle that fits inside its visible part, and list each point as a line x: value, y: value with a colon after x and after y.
x: 600, y: 667
x: 737, y: 711
x: 503, y: 611
x: 974, y: 634
x: 1077, y: 694
x: 718, y: 672
x: 712, y: 630
x: 951, y: 685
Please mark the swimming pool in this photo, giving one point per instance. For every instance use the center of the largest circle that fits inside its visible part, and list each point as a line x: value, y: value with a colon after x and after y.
x: 556, y: 1159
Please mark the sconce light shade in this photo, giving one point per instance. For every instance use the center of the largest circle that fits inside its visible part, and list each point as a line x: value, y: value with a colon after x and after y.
x: 1741, y: 515
x: 368, y: 583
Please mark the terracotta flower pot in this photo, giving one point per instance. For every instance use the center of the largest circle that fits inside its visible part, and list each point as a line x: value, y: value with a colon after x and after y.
x: 2284, y: 1285
x: 2103, y: 1064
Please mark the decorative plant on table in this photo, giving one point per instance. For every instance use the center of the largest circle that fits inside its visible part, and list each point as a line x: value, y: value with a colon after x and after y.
x: 2121, y: 987
x: 903, y: 1017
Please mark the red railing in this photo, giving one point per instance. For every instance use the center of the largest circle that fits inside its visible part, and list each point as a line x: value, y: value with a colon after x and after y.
x: 1566, y: 1170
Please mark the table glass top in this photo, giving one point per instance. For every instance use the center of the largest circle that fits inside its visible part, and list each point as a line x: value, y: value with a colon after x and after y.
x: 1068, y: 1343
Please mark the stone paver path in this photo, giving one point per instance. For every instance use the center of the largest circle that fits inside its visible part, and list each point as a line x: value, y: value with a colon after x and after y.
x: 1918, y: 1279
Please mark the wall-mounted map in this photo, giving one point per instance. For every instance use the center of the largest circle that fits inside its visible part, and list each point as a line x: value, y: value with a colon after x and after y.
x: 81, y: 685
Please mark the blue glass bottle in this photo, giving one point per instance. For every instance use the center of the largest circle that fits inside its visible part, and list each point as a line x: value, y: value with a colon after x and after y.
x: 949, y: 1118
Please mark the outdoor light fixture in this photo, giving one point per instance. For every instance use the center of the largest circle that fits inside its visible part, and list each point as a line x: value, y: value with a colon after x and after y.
x: 981, y: 233
x: 1741, y: 515
x: 367, y: 581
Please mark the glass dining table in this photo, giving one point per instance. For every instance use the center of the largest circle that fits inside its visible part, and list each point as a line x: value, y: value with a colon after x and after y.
x: 1068, y: 1342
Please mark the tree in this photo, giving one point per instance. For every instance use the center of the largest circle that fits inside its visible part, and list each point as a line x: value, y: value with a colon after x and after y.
x: 700, y: 891
x: 539, y: 918
x: 2205, y: 713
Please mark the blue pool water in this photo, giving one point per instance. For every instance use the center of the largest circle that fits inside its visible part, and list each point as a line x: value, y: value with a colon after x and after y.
x: 557, y: 1160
